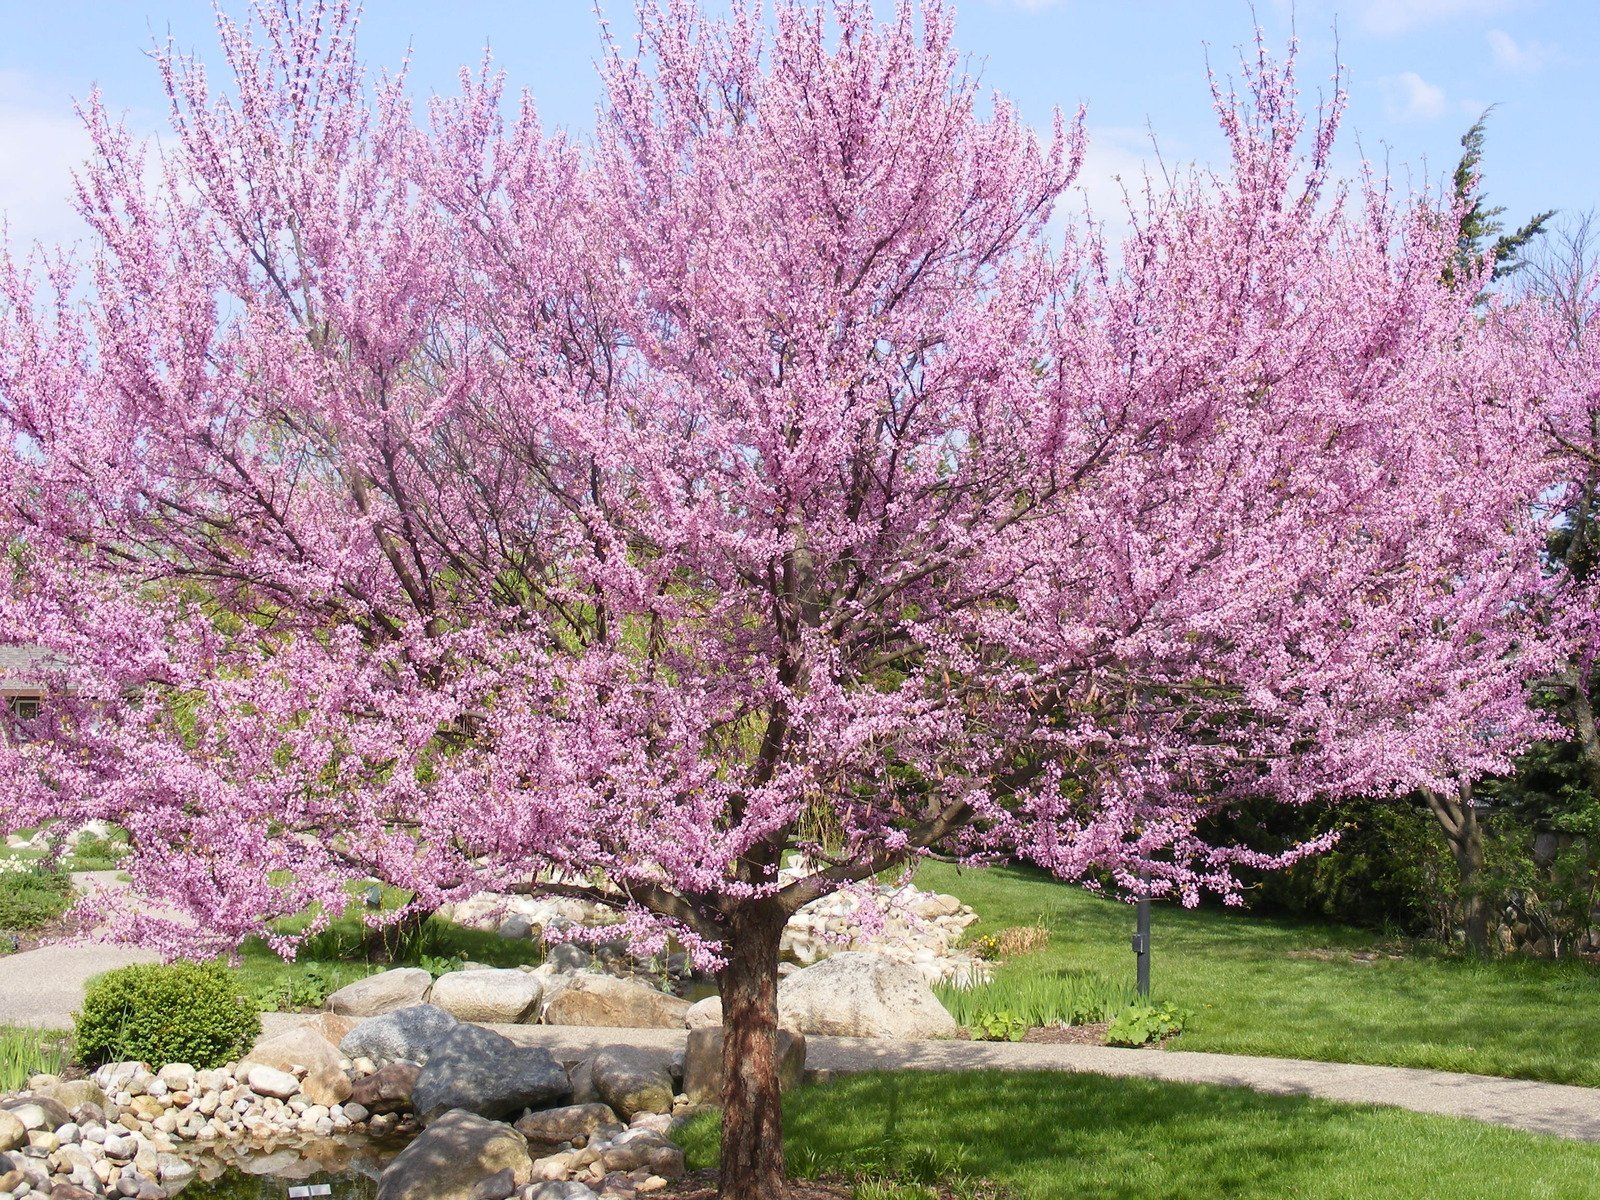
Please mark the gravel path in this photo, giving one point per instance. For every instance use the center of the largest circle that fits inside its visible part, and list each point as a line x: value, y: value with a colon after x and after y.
x: 1558, y: 1109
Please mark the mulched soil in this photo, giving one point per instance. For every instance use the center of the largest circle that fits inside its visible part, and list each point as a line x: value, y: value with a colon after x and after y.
x: 1068, y: 1035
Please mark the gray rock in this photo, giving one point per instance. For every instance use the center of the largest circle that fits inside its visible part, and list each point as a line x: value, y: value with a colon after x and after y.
x: 615, y: 1003
x: 382, y: 993
x: 10, y: 1174
x: 502, y: 1185
x: 702, y: 1064
x: 563, y: 1189
x: 305, y: 1046
x: 13, y: 1133
x: 856, y: 994
x: 632, y: 1079
x: 564, y: 956
x: 477, y: 1070
x: 643, y: 1148
x: 704, y: 1014
x: 269, y: 1081
x: 36, y: 1112
x: 490, y: 997
x: 75, y: 1093
x: 556, y: 1125
x: 452, y: 1156
x: 386, y: 1090
x: 516, y: 929
x: 402, y: 1035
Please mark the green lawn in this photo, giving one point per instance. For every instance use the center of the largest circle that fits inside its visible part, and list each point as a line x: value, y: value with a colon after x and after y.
x: 1261, y: 986
x: 1049, y: 1136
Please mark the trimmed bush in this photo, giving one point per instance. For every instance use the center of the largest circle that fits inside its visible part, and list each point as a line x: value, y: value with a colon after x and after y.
x: 183, y: 1012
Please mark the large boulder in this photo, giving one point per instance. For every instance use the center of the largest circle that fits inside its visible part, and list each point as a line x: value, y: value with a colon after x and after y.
x: 704, y: 1014
x: 632, y: 1080
x: 702, y: 1063
x: 615, y: 1003
x: 451, y: 1156
x: 386, y: 1090
x: 643, y: 1148
x: 556, y: 1125
x: 402, y: 1035
x: 856, y: 994
x: 488, y: 996
x: 305, y: 1046
x: 476, y: 1070
x: 382, y: 993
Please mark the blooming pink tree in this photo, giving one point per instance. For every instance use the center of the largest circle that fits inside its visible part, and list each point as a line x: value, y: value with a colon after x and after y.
x: 470, y: 508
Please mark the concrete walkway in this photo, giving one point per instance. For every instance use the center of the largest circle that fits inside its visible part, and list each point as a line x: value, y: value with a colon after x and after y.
x: 1552, y: 1108
x: 42, y: 988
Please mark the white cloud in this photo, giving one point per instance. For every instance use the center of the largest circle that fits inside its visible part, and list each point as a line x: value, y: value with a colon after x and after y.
x: 1390, y: 17
x: 1511, y: 55
x: 1410, y: 97
x: 40, y: 147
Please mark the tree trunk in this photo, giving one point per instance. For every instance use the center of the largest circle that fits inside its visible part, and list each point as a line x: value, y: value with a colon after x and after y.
x: 1459, y: 820
x: 752, y: 1111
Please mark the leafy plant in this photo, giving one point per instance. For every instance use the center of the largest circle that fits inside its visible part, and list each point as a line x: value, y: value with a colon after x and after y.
x: 28, y: 1052
x: 441, y: 964
x: 1142, y: 1024
x: 32, y: 897
x: 1002, y: 1026
x: 179, y: 1012
x: 308, y: 988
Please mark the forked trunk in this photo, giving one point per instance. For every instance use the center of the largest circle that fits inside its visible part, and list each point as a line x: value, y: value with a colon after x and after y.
x: 752, y: 1111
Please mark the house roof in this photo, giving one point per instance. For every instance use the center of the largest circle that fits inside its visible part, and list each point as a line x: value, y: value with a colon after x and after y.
x: 19, y: 668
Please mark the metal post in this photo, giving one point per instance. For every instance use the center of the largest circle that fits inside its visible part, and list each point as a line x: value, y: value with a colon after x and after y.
x: 1141, y: 942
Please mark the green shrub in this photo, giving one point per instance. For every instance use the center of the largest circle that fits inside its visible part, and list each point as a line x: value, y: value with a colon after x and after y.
x: 32, y: 897
x: 183, y: 1012
x: 1141, y: 1024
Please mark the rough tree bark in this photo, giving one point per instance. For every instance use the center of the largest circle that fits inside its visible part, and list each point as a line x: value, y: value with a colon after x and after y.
x: 752, y: 1112
x: 1459, y: 820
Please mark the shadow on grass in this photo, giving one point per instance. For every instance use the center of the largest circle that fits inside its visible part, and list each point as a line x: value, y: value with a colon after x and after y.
x: 1048, y: 1135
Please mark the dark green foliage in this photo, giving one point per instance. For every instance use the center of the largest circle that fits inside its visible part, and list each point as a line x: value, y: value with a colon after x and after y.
x: 1391, y: 868
x: 182, y: 1012
x: 1481, y: 232
x: 29, y: 899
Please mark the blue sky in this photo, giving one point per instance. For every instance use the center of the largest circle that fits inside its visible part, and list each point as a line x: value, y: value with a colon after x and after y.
x: 1420, y: 71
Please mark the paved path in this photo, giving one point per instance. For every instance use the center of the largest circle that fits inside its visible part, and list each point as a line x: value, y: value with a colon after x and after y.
x: 44, y: 987
x: 1558, y: 1109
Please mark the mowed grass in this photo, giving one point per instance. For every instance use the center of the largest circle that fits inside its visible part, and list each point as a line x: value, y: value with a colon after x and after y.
x: 1052, y: 1136
x: 1257, y: 985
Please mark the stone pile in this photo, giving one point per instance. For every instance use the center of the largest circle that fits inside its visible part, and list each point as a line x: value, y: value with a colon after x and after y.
x: 497, y: 1120
x: 905, y: 924
x: 566, y: 990
x: 121, y: 1131
x: 911, y: 926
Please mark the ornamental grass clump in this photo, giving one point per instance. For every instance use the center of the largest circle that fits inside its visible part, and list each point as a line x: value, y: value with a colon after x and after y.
x: 180, y: 1012
x: 1068, y: 998
x: 25, y: 1053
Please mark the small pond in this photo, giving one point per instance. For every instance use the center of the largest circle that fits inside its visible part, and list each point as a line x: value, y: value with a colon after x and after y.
x: 348, y: 1165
